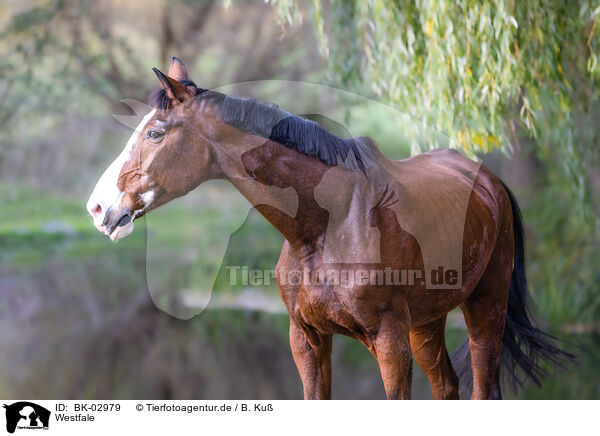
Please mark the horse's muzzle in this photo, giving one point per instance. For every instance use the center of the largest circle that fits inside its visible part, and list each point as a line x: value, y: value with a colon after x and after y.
x: 117, y: 224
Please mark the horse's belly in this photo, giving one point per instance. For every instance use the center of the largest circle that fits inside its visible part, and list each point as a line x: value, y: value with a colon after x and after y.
x: 427, y: 304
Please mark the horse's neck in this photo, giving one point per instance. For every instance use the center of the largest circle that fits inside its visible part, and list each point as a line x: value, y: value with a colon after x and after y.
x: 280, y: 183
x: 306, y: 200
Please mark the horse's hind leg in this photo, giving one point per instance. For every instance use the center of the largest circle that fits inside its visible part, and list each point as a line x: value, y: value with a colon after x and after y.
x: 428, y: 345
x: 485, y: 319
x: 485, y: 315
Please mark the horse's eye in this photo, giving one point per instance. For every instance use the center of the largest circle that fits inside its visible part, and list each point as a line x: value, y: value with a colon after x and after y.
x: 154, y: 135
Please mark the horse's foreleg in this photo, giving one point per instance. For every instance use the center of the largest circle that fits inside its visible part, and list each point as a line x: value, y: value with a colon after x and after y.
x: 428, y: 345
x: 312, y: 354
x: 392, y: 350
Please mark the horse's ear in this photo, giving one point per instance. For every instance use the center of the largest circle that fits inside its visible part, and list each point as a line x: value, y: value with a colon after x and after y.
x: 177, y: 70
x: 175, y: 90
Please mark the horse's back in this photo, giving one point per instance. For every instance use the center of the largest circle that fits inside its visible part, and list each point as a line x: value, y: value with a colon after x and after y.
x: 447, y: 172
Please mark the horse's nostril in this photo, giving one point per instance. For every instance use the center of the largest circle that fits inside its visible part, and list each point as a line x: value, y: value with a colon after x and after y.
x: 125, y: 219
x: 96, y: 210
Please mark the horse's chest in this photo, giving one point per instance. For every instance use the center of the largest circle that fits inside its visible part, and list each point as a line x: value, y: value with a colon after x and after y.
x: 317, y: 305
x: 328, y: 309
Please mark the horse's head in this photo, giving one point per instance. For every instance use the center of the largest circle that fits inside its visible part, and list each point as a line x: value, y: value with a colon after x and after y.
x: 166, y: 157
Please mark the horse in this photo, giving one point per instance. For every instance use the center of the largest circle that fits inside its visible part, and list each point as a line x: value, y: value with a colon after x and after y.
x: 345, y: 210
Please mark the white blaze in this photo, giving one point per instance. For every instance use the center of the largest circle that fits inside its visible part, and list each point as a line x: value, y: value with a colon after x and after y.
x: 147, y: 198
x: 106, y: 194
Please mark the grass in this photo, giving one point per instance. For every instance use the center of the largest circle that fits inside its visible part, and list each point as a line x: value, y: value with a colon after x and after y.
x: 188, y: 238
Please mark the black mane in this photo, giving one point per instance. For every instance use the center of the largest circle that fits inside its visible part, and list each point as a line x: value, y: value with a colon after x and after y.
x: 271, y: 122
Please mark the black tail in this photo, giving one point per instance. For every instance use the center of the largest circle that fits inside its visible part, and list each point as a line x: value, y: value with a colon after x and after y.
x: 524, y: 346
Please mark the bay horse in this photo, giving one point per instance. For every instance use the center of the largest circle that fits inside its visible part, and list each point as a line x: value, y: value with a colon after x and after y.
x: 346, y: 209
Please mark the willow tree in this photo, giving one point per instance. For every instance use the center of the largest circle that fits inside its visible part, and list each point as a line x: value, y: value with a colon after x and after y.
x: 490, y: 74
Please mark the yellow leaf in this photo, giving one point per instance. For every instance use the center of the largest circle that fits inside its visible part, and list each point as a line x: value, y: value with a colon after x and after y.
x: 492, y: 140
x: 477, y: 139
x: 429, y: 28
